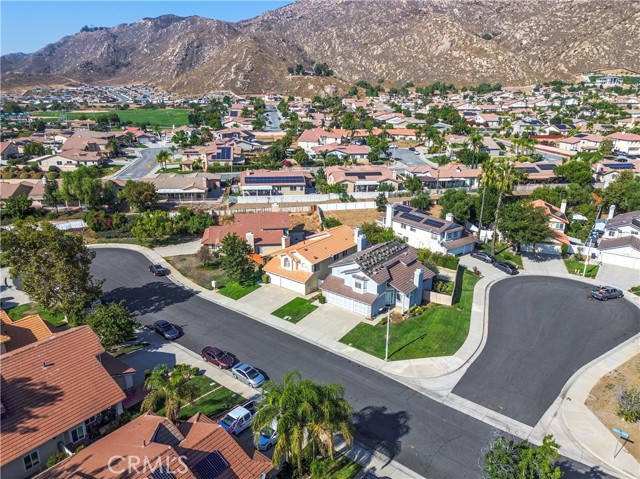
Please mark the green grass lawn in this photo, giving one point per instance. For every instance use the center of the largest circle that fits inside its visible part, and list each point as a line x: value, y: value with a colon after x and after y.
x: 439, y: 331
x: 19, y: 312
x: 635, y: 290
x: 577, y: 267
x: 162, y: 117
x: 127, y: 349
x: 448, y: 285
x: 296, y: 309
x: 503, y: 254
x: 236, y: 291
x: 212, y: 404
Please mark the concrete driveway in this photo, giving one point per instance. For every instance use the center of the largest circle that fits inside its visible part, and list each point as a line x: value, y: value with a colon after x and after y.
x: 623, y: 278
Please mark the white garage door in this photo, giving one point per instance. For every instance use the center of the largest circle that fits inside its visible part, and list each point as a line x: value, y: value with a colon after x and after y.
x: 287, y: 283
x: 620, y: 260
x: 348, y: 304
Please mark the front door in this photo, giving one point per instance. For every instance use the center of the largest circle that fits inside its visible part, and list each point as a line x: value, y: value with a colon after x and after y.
x: 390, y: 297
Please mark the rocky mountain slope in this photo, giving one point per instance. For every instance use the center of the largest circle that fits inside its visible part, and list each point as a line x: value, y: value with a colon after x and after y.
x: 458, y: 41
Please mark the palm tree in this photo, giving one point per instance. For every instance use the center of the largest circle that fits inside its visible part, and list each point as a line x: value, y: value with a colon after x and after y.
x: 112, y: 146
x: 163, y: 157
x: 500, y: 174
x: 173, y: 387
x: 130, y: 137
x: 332, y: 414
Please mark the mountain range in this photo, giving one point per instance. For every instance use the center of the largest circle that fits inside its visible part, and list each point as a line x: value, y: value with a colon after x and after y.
x: 464, y: 42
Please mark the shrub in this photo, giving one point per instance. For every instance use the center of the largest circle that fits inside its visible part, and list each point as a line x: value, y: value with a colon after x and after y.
x: 330, y: 223
x: 56, y: 458
x: 322, y: 299
x: 629, y: 405
x: 578, y: 257
x: 564, y: 250
x: 7, y: 175
x: 24, y: 176
x: 475, y: 271
x: 97, y: 220
x: 119, y: 221
x: 265, y: 278
x: 51, y: 175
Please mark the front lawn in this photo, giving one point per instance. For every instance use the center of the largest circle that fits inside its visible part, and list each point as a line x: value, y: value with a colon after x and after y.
x: 212, y: 404
x: 295, y: 310
x: 236, y: 291
x: 19, y: 312
x: 503, y: 254
x: 438, y: 331
x: 635, y: 290
x: 443, y: 286
x: 577, y: 267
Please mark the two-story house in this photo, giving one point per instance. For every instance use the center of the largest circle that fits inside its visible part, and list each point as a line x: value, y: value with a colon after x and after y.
x: 299, y: 267
x: 8, y: 150
x: 620, y: 244
x: 424, y: 231
x: 558, y: 222
x: 53, y: 390
x: 273, y: 183
x: 383, y: 275
x: 317, y: 137
x: 626, y: 142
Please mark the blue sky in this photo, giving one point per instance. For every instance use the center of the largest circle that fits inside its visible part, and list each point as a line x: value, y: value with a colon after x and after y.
x: 27, y: 26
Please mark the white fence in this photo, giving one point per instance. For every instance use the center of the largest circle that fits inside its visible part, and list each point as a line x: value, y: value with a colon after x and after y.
x: 312, y: 198
x: 287, y: 209
x: 360, y: 205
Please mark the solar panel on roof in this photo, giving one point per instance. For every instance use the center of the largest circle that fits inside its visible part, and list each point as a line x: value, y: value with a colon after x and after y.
x: 410, y: 217
x: 273, y: 179
x: 212, y: 465
x: 546, y: 167
x: 162, y: 473
x: 529, y: 169
x: 620, y: 166
x: 434, y: 223
x: 368, y: 173
x: 403, y: 209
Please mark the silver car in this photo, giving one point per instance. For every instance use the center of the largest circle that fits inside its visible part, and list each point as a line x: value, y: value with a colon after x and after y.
x: 248, y: 375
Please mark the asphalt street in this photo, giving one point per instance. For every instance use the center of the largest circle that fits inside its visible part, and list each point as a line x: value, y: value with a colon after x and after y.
x: 541, y: 331
x: 141, y: 166
x: 422, y: 434
x: 273, y: 116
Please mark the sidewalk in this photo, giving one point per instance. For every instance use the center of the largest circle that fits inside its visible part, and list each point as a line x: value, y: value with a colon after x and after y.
x: 436, y: 377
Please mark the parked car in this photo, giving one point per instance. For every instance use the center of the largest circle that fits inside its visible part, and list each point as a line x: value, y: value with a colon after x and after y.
x: 482, y: 256
x: 412, y: 148
x: 268, y: 437
x: 220, y: 358
x: 239, y: 418
x: 166, y: 329
x: 605, y: 293
x: 248, y: 375
x: 505, y: 267
x: 158, y: 270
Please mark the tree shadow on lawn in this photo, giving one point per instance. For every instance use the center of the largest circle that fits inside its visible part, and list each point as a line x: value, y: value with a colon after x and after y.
x: 150, y: 298
x: 381, y: 430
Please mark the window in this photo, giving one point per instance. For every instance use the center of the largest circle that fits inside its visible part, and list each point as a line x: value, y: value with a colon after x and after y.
x: 358, y: 285
x: 403, y: 226
x: 412, y: 229
x: 287, y: 263
x: 316, y: 267
x: 78, y: 433
x: 611, y: 233
x: 31, y: 460
x: 91, y: 420
x: 336, y: 256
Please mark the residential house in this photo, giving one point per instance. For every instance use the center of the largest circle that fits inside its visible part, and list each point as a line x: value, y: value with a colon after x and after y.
x: 11, y: 189
x: 300, y: 267
x: 8, y: 150
x: 273, y: 183
x: 22, y: 332
x: 620, y: 244
x: 451, y: 175
x: 383, y: 275
x: 224, y: 152
x: 558, y: 222
x: 68, y: 160
x: 490, y: 120
x: 53, y: 390
x: 490, y: 146
x: 152, y: 447
x: 234, y: 134
x: 527, y: 124
x: 402, y: 134
x: 191, y: 187
x: 357, y: 152
x: 317, y: 137
x: 362, y: 178
x: 422, y: 230
x: 608, y: 81
x: 541, y: 172
x: 628, y: 143
x: 607, y: 171
x: 265, y: 232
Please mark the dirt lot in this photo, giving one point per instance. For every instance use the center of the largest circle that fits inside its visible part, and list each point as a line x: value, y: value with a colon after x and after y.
x: 602, y: 400
x: 190, y: 267
x: 310, y: 222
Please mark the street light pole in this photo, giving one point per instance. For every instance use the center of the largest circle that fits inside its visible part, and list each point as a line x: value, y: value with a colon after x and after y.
x: 386, y: 348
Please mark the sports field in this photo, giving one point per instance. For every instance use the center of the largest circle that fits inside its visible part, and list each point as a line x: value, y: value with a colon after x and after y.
x: 165, y: 118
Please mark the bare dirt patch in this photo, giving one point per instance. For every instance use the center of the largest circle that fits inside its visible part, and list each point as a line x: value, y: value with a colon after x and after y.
x: 603, y: 399
x: 311, y: 222
x: 190, y: 267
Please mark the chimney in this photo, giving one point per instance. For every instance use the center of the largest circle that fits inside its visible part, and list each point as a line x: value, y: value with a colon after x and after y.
x: 563, y: 206
x: 359, y: 239
x: 251, y: 241
x: 389, y: 216
x: 449, y: 217
x: 285, y: 241
x: 612, y: 211
x: 418, y: 278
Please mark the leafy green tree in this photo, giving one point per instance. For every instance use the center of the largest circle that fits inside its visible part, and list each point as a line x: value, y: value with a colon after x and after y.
x: 112, y: 323
x: 575, y: 172
x: 83, y: 185
x: 624, y: 192
x: 51, y: 196
x: 235, y: 259
x: 381, y: 202
x: 510, y: 459
x: 33, y: 149
x: 304, y: 411
x: 330, y: 222
x: 171, y: 388
x: 140, y: 195
x: 413, y: 184
x: 55, y: 266
x: 18, y: 206
x: 191, y: 222
x: 522, y: 223
x: 113, y: 147
x: 377, y: 234
x: 152, y: 226
x: 458, y: 202
x: 422, y: 201
x: 162, y: 157
x: 301, y: 157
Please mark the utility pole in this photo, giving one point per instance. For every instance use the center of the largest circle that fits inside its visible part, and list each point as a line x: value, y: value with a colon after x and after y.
x: 590, y: 239
x: 386, y: 348
x: 484, y: 194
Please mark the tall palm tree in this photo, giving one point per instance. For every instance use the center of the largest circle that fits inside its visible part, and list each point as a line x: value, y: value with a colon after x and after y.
x: 331, y: 414
x: 500, y: 174
x: 173, y: 387
x: 162, y: 158
x: 112, y: 146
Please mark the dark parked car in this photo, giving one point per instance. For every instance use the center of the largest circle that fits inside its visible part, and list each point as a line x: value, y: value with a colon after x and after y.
x: 166, y: 329
x: 158, y: 270
x: 412, y: 148
x: 482, y: 256
x: 506, y: 267
x: 220, y: 358
x: 605, y: 293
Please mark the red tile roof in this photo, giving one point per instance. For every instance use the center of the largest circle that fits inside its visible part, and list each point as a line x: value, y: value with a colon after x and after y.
x: 50, y: 386
x: 267, y: 228
x: 23, y: 331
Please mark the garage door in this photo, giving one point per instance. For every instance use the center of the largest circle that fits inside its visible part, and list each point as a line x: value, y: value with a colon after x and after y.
x: 287, y: 283
x: 348, y: 304
x: 620, y: 260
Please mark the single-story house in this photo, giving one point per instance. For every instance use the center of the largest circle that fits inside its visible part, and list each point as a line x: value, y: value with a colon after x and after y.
x: 273, y: 183
x: 362, y: 178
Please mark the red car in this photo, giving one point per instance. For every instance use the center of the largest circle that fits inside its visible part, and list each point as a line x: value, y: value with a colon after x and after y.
x: 220, y: 358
